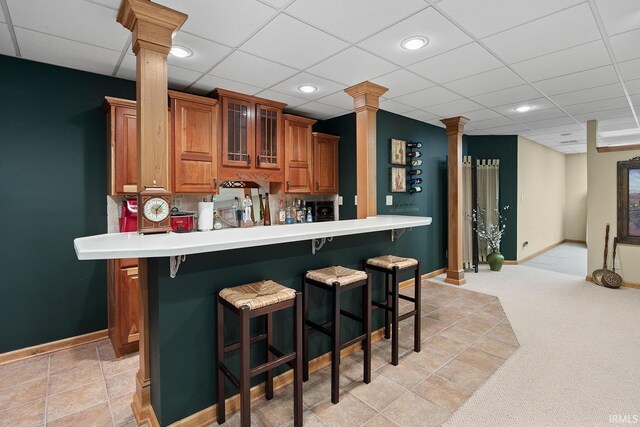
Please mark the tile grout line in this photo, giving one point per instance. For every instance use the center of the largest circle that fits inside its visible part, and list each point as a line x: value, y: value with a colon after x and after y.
x: 46, y: 392
x: 106, y: 390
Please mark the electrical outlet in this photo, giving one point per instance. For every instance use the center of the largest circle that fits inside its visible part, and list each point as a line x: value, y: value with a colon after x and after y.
x: 355, y: 200
x: 389, y: 200
x: 340, y: 200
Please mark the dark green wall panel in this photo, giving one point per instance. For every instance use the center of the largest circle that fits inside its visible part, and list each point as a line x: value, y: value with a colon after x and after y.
x: 53, y: 185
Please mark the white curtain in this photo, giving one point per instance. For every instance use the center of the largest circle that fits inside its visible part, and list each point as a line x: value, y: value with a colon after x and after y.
x: 488, y: 173
x: 467, y: 212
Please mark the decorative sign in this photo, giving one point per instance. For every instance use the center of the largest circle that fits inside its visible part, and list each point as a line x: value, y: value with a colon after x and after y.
x: 398, y: 152
x: 398, y: 180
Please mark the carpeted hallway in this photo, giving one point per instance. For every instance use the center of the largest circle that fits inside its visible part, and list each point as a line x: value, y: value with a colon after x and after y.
x: 579, y: 356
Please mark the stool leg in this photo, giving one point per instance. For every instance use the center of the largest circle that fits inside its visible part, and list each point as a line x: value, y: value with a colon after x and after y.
x: 297, y: 372
x: 395, y: 310
x: 305, y: 331
x: 366, y: 326
x: 335, y: 346
x: 245, y: 378
x: 417, y: 307
x: 387, y: 319
x: 220, y: 357
x: 269, y: 385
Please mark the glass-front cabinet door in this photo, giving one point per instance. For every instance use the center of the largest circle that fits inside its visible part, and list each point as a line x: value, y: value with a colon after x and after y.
x: 268, y: 139
x: 238, y: 133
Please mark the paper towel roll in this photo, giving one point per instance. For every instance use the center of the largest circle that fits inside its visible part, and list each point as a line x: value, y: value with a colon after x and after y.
x: 205, y: 216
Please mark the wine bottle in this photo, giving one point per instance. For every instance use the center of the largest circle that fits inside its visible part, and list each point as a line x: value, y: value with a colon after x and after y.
x: 290, y: 215
x: 282, y: 215
x: 303, y: 211
x: 261, y: 206
x: 412, y: 154
x: 296, y: 206
x: 415, y: 190
x: 414, y: 181
x: 414, y: 163
x: 414, y: 145
x: 309, y: 216
x: 415, y: 172
x: 267, y: 211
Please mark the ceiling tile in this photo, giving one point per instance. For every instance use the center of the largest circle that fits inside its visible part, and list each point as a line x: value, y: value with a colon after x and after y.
x: 455, y: 64
x: 486, y: 17
x: 484, y: 114
x: 542, y: 124
x: 514, y: 95
x: 620, y: 123
x: 307, y: 47
x: 127, y: 69
x: 6, y: 45
x: 352, y: 66
x: 588, y: 95
x: 242, y: 67
x: 2, y: 19
x: 471, y: 131
x: 206, y: 53
x: 66, y: 53
x: 442, y: 35
x: 291, y: 85
x: 546, y: 35
x: 111, y: 4
x: 339, y: 99
x: 454, y: 108
x: 87, y: 23
x: 394, y: 107
x: 538, y: 104
x: 577, y: 81
x: 626, y: 45
x: 549, y: 113
x: 579, y: 58
x: 401, y: 82
x: 291, y: 101
x: 603, y: 115
x: 633, y: 86
x: 591, y: 107
x: 619, y: 16
x: 630, y: 69
x: 572, y: 130
x: 317, y: 110
x: 208, y: 83
x: 226, y: 22
x: 428, y: 97
x: 492, y: 123
x: 353, y: 20
x: 181, y: 78
x: 276, y: 3
x: 436, y: 123
x: 489, y: 81
x: 422, y: 116
x: 507, y: 130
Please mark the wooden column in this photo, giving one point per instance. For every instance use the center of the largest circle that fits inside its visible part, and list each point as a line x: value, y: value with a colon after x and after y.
x: 366, y: 96
x: 152, y: 27
x: 455, y: 128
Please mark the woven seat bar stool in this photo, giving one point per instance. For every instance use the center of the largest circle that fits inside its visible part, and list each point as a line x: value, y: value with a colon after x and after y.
x: 248, y: 301
x: 338, y: 280
x: 391, y: 265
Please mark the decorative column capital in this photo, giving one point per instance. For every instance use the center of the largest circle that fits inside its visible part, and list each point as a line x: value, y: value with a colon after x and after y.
x: 152, y: 25
x: 366, y: 95
x: 455, y: 125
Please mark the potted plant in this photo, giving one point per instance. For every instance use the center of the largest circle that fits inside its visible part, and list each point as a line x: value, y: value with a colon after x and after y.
x: 491, y: 234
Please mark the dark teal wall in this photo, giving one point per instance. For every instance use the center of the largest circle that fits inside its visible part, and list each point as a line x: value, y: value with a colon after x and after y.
x: 53, y: 186
x: 504, y: 148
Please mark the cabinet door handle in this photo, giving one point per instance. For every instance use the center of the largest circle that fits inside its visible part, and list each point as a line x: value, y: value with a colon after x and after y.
x: 249, y: 159
x: 288, y: 186
x: 215, y: 184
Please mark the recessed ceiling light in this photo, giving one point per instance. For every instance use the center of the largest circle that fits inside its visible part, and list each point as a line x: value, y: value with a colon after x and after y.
x: 181, y: 52
x: 523, y: 108
x: 415, y: 42
x: 307, y: 88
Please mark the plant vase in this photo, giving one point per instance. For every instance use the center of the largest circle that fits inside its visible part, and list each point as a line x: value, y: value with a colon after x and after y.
x: 495, y: 261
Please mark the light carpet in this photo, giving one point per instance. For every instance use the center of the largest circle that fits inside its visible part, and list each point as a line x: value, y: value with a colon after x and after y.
x: 568, y: 258
x: 579, y: 356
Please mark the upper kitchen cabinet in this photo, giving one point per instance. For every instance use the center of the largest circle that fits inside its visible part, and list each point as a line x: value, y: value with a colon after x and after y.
x: 325, y: 163
x: 194, y: 140
x: 298, y: 157
x: 251, y: 145
x: 121, y: 146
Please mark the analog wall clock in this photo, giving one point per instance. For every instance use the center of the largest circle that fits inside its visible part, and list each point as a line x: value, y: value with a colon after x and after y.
x: 154, y: 211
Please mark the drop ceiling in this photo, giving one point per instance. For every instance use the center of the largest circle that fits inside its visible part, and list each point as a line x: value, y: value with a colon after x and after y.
x: 571, y: 60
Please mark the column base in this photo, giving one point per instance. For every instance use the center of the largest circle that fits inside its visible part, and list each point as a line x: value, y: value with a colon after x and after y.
x: 455, y: 277
x: 141, y: 404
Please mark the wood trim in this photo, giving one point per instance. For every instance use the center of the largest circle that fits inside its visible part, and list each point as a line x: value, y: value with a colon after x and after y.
x: 409, y: 282
x: 510, y: 262
x: 633, y: 285
x: 50, y: 347
x: 223, y: 93
x: 584, y: 242
x: 207, y: 416
x: 541, y: 251
x: 153, y: 419
x: 193, y: 98
x: 614, y: 148
x: 110, y: 101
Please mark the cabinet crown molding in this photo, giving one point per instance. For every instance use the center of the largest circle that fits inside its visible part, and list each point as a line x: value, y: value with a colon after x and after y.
x: 223, y: 93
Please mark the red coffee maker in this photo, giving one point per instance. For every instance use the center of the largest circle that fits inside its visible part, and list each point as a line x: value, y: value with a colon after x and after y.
x: 129, y: 217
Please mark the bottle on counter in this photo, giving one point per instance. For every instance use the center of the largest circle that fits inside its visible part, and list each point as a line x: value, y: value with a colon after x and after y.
x: 217, y: 224
x: 309, y: 216
x: 267, y: 211
x: 303, y: 211
x: 261, y: 206
x: 289, y: 219
x: 282, y: 214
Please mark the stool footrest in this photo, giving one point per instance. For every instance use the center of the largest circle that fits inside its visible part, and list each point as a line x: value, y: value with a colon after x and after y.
x: 227, y: 373
x: 406, y: 298
x: 318, y: 327
x: 236, y: 345
x: 351, y: 316
x: 406, y: 315
x: 353, y: 341
x: 278, y: 353
x: 273, y: 364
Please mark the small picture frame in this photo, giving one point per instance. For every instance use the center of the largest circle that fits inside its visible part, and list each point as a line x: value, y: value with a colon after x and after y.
x: 398, y: 180
x: 398, y: 152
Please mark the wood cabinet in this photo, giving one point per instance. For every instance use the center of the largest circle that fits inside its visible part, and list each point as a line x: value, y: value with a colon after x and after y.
x: 121, y: 146
x: 251, y: 142
x: 298, y: 154
x: 124, y: 305
x: 325, y: 163
x: 194, y: 137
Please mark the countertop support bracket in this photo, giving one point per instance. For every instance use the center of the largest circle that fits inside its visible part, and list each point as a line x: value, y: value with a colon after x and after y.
x: 396, y: 233
x: 317, y: 244
x: 174, y: 264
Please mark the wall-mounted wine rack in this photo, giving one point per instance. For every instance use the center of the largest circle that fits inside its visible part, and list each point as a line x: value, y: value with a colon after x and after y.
x: 414, y: 167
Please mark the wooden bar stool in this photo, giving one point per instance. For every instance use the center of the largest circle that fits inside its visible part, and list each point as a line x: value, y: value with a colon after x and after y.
x: 248, y: 301
x: 391, y: 265
x: 337, y: 280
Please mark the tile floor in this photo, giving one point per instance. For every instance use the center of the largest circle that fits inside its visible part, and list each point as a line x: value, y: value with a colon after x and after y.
x: 466, y: 337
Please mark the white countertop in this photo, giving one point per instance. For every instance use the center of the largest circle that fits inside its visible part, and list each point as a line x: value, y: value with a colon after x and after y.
x: 133, y: 245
